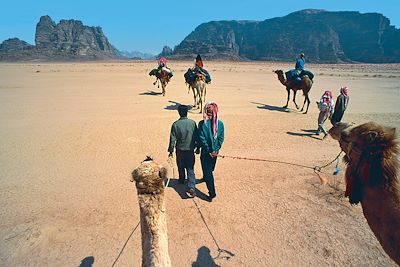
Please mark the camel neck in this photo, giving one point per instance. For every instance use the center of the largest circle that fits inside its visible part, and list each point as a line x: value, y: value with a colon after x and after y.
x: 154, y: 231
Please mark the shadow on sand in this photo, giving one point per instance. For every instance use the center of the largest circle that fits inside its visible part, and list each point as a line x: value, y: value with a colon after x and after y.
x: 272, y: 108
x: 181, y: 189
x: 306, y: 133
x: 174, y: 105
x: 151, y: 93
x: 204, y: 258
x: 87, y: 262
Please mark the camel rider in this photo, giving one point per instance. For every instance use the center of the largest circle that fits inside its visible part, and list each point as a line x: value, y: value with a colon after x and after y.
x: 162, y: 66
x: 299, y: 67
x: 198, y: 67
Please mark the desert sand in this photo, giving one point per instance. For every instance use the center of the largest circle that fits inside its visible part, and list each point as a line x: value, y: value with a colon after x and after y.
x: 71, y: 134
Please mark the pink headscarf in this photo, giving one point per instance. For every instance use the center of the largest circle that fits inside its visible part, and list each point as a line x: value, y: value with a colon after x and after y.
x: 327, y: 97
x: 211, y: 113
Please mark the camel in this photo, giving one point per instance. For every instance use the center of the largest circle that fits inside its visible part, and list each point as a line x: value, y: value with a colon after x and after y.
x: 199, y: 90
x: 306, y: 84
x: 163, y: 78
x: 372, y: 157
x: 149, y: 178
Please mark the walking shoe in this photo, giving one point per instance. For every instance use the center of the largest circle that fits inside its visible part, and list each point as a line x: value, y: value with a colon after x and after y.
x: 191, y: 193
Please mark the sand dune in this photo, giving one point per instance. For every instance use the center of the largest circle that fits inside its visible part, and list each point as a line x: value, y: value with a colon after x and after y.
x: 72, y: 133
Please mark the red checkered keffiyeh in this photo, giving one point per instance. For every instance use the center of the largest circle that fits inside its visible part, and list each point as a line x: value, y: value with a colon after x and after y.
x: 211, y: 113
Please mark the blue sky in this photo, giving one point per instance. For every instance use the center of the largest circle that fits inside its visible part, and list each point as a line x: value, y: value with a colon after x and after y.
x: 147, y: 26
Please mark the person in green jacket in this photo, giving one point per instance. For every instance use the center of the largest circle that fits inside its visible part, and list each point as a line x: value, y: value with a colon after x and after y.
x: 342, y: 102
x: 211, y: 137
x: 183, y: 135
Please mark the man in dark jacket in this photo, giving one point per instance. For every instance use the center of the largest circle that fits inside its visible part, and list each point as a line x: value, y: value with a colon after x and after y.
x: 184, y: 136
x: 211, y: 137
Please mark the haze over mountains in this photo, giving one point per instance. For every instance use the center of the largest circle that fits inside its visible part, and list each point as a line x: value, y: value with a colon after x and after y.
x: 325, y: 37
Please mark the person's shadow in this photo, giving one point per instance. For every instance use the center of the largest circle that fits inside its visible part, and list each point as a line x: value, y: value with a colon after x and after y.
x: 181, y: 189
x: 306, y: 133
x: 204, y: 258
x: 87, y: 262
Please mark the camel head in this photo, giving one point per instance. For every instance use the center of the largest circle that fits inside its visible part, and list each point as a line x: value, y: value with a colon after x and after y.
x: 281, y: 76
x: 149, y: 177
x: 278, y: 72
x: 371, y: 157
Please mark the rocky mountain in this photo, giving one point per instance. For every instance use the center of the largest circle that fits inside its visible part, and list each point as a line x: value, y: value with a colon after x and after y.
x: 136, y: 55
x: 167, y: 51
x: 67, y: 40
x: 330, y: 37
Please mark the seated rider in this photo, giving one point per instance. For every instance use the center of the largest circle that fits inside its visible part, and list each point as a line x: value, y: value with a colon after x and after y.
x: 162, y: 65
x: 299, y: 67
x: 198, y: 67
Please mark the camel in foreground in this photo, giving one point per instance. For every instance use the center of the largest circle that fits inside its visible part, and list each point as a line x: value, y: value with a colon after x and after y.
x: 372, y: 157
x: 305, y: 86
x: 199, y: 91
x: 149, y: 178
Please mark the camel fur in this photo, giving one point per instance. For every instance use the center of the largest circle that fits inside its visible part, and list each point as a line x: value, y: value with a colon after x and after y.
x: 199, y: 91
x: 164, y: 80
x: 305, y: 86
x: 372, y: 157
x: 149, y: 178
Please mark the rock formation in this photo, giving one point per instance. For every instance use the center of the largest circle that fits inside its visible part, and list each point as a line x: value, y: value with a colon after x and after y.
x: 330, y: 37
x: 67, y: 40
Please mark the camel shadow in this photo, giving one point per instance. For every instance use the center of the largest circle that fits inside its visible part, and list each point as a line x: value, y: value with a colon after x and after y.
x: 306, y: 133
x: 151, y: 93
x: 87, y: 262
x: 271, y: 108
x: 174, y: 105
x: 204, y: 258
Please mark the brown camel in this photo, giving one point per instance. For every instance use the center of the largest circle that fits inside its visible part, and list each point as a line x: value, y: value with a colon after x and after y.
x: 306, y: 84
x: 164, y: 80
x: 149, y: 178
x: 199, y: 90
x: 372, y: 157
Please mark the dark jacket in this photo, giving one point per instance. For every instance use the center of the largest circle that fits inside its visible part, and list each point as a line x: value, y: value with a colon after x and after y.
x: 340, y: 107
x: 183, y: 134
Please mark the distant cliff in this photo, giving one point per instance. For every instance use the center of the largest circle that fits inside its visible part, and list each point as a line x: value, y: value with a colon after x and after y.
x: 67, y: 40
x: 330, y: 37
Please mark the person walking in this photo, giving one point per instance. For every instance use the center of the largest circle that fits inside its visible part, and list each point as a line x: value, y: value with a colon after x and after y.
x: 183, y: 135
x: 341, y: 105
x: 211, y: 138
x: 325, y: 106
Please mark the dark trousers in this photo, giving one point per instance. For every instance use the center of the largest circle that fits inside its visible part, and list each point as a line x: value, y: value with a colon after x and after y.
x: 208, y: 166
x: 185, y: 160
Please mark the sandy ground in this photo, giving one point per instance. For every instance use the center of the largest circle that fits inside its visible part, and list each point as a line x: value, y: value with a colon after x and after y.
x: 72, y: 133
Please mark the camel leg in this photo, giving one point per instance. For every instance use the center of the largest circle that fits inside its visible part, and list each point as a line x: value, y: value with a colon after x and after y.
x: 288, y: 97
x: 194, y: 97
x: 163, y: 88
x: 304, y: 103
x: 308, y: 103
x: 294, y: 99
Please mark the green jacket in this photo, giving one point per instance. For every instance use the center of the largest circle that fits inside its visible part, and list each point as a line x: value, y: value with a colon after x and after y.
x: 183, y: 134
x: 206, y: 139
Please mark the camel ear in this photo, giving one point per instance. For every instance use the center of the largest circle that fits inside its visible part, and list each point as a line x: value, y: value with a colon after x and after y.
x: 134, y: 175
x: 163, y: 173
